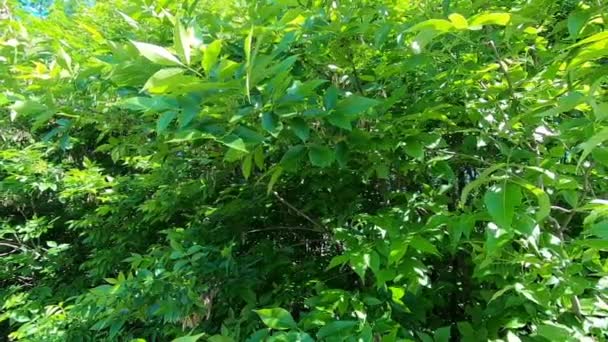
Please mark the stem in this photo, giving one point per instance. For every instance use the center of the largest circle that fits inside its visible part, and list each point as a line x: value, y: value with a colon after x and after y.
x: 503, y: 68
x: 576, y: 306
x: 586, y: 188
x: 356, y: 76
x: 299, y: 212
x: 558, y: 208
x: 194, y: 71
x: 282, y: 228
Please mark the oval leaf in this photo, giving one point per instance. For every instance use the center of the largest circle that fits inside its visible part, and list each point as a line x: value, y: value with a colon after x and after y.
x: 321, y: 156
x: 157, y: 54
x: 277, y: 318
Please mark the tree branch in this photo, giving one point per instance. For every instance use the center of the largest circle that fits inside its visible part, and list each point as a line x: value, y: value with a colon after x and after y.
x: 299, y: 212
x: 282, y: 228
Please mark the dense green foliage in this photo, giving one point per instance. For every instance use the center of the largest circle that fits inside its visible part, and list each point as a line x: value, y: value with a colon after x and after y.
x: 300, y: 170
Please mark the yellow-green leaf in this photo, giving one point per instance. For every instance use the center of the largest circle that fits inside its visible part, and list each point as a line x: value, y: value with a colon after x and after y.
x: 182, y: 42
x: 277, y: 318
x: 501, y: 202
x: 501, y: 19
x: 458, y: 21
x: 439, y: 25
x: 156, y: 54
x: 211, y: 55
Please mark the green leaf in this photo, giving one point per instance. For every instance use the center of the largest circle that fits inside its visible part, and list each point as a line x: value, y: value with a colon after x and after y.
x: 277, y: 318
x: 246, y: 166
x: 544, y: 202
x: 272, y: 124
x: 259, y: 336
x: 442, y: 334
x: 276, y: 174
x: 342, y: 154
x: 501, y: 19
x: 321, y: 156
x: 189, y: 338
x: 163, y: 122
x: 291, y: 159
x: 157, y: 54
x: 163, y: 80
x: 182, y: 42
x: 554, y: 332
x: 331, y: 98
x: 220, y: 338
x: 501, y: 202
x: 438, y: 25
x: 483, y: 178
x: 374, y: 261
x: 336, y: 329
x: 466, y: 331
x: 355, y: 105
x: 601, y: 155
x: 414, y: 148
x: 258, y: 157
x: 424, y: 337
x: 190, y: 109
x: 366, y: 333
x: 600, y: 229
x: 599, y: 244
x: 396, y: 294
x: 340, y: 120
x: 359, y: 263
x: 564, y: 104
x: 511, y: 337
x: 132, y: 22
x: 382, y: 171
x: 234, y: 142
x: 594, y: 38
x: 423, y: 245
x: 591, y: 144
x: 248, y: 62
x: 397, y: 251
x: 283, y: 66
x: 64, y: 60
x: 458, y: 21
x: 27, y: 107
x: 292, y: 336
x: 600, y: 110
x: 300, y: 128
x: 576, y: 21
x: 211, y: 55
x: 337, y: 261
x: 590, y: 52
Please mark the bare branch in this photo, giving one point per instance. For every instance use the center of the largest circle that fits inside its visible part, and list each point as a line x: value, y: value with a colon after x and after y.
x: 299, y: 212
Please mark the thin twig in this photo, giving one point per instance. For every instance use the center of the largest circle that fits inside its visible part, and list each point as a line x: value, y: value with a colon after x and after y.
x: 558, y: 208
x: 566, y: 222
x: 503, y: 68
x: 356, y: 76
x: 6, y: 244
x: 14, y: 249
x: 290, y: 206
x: 282, y: 228
x: 586, y: 188
x: 576, y: 306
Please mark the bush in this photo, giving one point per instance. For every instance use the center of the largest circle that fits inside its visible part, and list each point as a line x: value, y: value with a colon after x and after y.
x: 283, y: 170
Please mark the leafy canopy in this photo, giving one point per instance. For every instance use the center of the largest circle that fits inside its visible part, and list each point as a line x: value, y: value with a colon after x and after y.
x: 304, y: 170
